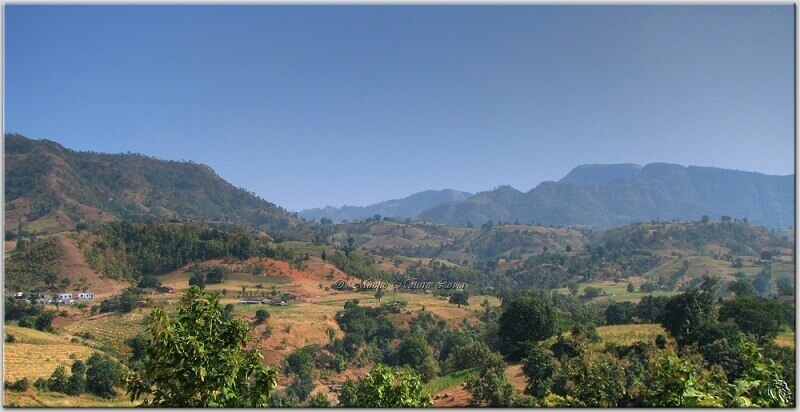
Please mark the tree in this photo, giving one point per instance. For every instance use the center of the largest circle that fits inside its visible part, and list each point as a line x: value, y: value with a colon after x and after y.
x: 705, y: 219
x: 64, y: 283
x: 261, y: 315
x: 217, y: 274
x: 596, y: 379
x: 149, y: 282
x: 301, y: 361
x: 631, y: 288
x: 762, y: 281
x: 785, y: 286
x: 50, y: 279
x: 758, y: 317
x: 489, y: 386
x: 459, y: 298
x: 302, y: 386
x: 58, y: 379
x: 591, y: 292
x: 651, y: 308
x: 526, y: 320
x: 199, y: 280
x: 128, y: 299
x: 138, y: 345
x: 619, y: 313
x: 76, y: 384
x: 385, y: 387
x: 320, y: 400
x: 467, y: 356
x: 195, y: 359
x: 413, y: 352
x: 379, y: 294
x: 684, y: 312
x: 573, y: 288
x: 101, y: 377
x: 44, y: 321
x: 539, y: 367
x: 678, y: 382
x: 741, y: 287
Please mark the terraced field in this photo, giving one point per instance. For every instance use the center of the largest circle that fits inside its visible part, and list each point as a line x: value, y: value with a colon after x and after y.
x: 36, y: 354
x: 109, y: 330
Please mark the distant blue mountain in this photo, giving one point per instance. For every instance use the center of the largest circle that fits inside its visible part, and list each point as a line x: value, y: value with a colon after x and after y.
x: 407, y: 207
x: 603, y: 195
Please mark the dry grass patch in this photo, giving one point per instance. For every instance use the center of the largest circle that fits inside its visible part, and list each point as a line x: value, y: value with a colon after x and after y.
x: 786, y: 339
x: 36, y: 354
x: 628, y: 334
x: 35, y: 399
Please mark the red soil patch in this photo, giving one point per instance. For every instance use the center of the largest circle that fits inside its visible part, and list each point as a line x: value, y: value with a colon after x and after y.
x: 457, y: 397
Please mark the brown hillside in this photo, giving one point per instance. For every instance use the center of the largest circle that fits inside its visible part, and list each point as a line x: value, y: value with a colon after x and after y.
x: 73, y: 265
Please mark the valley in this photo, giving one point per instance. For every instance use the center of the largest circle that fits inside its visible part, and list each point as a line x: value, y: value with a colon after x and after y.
x: 583, y: 293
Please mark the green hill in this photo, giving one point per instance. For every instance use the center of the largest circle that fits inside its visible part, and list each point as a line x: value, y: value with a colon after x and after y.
x: 50, y: 189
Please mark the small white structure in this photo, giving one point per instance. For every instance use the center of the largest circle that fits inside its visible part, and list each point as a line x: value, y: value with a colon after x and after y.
x: 64, y: 298
x: 85, y: 296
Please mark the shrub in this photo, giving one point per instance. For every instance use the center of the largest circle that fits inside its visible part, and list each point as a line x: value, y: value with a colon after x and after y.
x: 385, y: 387
x: 101, y: 377
x: 20, y: 385
x: 261, y: 316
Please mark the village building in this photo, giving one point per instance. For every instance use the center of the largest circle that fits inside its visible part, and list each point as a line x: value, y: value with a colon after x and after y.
x: 65, y: 298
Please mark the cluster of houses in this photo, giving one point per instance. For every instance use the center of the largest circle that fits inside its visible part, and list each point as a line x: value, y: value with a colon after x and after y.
x: 285, y: 297
x: 44, y: 298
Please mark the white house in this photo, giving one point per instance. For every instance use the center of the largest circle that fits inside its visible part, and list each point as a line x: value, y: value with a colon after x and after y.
x: 85, y: 295
x: 65, y: 298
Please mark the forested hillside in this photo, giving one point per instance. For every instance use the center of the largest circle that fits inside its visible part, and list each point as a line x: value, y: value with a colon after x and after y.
x: 50, y: 188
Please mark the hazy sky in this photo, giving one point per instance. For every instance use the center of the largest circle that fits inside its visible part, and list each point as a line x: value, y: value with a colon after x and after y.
x: 320, y: 105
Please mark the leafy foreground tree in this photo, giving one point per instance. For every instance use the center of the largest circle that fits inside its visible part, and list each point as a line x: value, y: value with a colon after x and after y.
x: 385, y: 387
x: 197, y: 359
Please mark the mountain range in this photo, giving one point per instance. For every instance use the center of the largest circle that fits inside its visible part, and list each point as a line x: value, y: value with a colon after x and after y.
x: 611, y: 195
x: 407, y: 207
x: 50, y: 188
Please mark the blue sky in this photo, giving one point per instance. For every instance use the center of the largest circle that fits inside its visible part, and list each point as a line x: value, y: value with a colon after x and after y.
x: 321, y: 105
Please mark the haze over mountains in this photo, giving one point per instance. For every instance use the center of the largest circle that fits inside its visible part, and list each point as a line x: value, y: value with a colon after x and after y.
x: 407, y: 207
x: 50, y: 188
x: 613, y: 195
x: 605, y: 195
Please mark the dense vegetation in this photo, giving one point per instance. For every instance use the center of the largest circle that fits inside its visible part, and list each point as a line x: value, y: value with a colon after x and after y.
x: 33, y: 266
x: 130, y: 187
x: 712, y: 343
x: 124, y: 250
